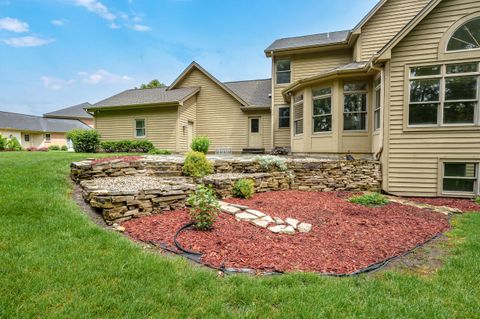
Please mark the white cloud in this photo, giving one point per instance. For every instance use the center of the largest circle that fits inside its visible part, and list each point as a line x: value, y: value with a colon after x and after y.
x: 55, y: 84
x: 113, y: 25
x: 14, y: 25
x: 103, y: 76
x: 59, y: 23
x: 96, y: 7
x: 141, y: 28
x: 28, y: 41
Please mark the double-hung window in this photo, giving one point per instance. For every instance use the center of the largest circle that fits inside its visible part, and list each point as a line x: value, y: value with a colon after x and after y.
x: 298, y: 114
x: 48, y: 138
x: 284, y: 117
x: 444, y: 95
x: 140, y: 130
x: 378, y: 103
x: 283, y: 72
x: 355, y: 106
x: 322, y: 110
x: 460, y: 178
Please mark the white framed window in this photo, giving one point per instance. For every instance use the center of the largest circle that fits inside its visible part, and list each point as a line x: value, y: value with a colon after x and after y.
x: 355, y: 108
x: 26, y: 137
x: 283, y: 71
x: 140, y: 130
x: 298, y: 114
x: 322, y: 110
x: 284, y: 117
x: 48, y: 138
x: 460, y: 178
x: 466, y: 37
x: 377, y: 83
x: 444, y: 95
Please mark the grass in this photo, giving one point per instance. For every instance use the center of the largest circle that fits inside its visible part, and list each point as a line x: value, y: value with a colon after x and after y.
x: 55, y: 263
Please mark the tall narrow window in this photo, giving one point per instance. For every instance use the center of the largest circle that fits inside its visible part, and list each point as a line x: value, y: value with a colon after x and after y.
x: 26, y: 137
x: 467, y: 37
x: 284, y: 117
x: 140, y: 128
x: 48, y: 138
x: 298, y: 114
x: 322, y: 110
x: 355, y: 106
x: 283, y: 71
x: 378, y: 103
x: 460, y: 177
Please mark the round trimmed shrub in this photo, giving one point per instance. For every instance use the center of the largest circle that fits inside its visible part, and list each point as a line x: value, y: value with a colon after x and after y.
x: 200, y: 144
x: 84, y: 141
x: 197, y: 165
x: 243, y: 188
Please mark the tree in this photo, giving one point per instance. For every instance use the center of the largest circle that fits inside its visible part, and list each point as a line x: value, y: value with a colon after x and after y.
x: 153, y: 84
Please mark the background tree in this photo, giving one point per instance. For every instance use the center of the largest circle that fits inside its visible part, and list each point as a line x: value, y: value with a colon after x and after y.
x: 152, y: 84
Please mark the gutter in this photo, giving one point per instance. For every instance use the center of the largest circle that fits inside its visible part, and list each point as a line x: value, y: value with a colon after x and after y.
x: 133, y: 106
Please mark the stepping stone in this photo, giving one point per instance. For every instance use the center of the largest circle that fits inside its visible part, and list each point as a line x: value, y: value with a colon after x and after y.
x: 242, y: 207
x: 277, y: 229
x: 230, y: 210
x: 304, y: 227
x: 292, y: 222
x: 268, y: 219
x: 278, y: 221
x: 245, y: 216
x: 255, y: 212
x: 261, y: 223
x: 288, y: 230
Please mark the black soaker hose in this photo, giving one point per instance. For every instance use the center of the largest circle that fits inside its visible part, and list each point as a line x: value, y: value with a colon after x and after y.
x: 184, y: 227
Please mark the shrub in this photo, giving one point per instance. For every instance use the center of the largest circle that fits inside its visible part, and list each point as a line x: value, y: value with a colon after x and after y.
x: 278, y: 150
x: 269, y: 162
x: 200, y: 144
x: 54, y: 148
x: 13, y: 144
x: 204, y: 207
x: 64, y: 148
x: 243, y: 188
x: 196, y: 164
x: 477, y: 200
x: 156, y: 151
x: 84, y: 141
x: 369, y: 199
x: 127, y: 146
x: 3, y: 143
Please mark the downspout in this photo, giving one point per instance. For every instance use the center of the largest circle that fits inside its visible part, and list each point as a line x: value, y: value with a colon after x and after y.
x: 272, y: 106
x: 378, y: 154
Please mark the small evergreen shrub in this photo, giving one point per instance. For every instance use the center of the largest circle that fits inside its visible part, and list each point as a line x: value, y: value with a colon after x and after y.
x: 84, y: 141
x: 200, y: 144
x: 269, y: 163
x: 3, y: 143
x: 204, y: 207
x: 243, y: 188
x: 157, y: 151
x: 197, y: 165
x: 477, y: 200
x: 13, y: 144
x: 54, y: 148
x: 127, y: 146
x: 369, y: 199
x: 64, y: 148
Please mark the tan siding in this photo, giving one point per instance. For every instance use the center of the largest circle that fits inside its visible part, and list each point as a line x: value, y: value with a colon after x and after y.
x: 307, y: 65
x: 386, y: 23
x: 413, y: 157
x: 186, y: 113
x: 161, y: 125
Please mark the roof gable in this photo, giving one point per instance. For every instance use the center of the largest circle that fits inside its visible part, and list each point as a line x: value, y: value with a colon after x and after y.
x: 75, y: 111
x: 255, y: 92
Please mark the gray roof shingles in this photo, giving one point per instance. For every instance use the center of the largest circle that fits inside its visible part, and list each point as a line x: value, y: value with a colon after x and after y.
x: 254, y: 92
x: 146, y: 97
x: 309, y: 40
x: 26, y: 122
x: 75, y: 111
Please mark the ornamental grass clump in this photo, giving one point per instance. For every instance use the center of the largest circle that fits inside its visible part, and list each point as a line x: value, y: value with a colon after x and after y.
x: 200, y: 144
x: 196, y: 165
x: 269, y: 163
x: 204, y: 207
x: 369, y: 199
x: 243, y: 188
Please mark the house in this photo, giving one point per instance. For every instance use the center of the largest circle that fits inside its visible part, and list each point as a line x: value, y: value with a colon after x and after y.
x: 49, y: 130
x: 402, y: 87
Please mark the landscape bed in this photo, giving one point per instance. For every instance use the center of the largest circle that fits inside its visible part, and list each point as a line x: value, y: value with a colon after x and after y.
x: 463, y: 204
x: 344, y: 239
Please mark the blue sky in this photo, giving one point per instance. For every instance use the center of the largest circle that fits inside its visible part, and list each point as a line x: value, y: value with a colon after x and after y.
x: 57, y: 53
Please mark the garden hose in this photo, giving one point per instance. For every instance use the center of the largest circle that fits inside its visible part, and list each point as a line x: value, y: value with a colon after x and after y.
x: 184, y: 227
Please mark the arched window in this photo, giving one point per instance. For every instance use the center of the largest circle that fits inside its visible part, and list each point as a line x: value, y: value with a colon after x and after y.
x: 466, y: 37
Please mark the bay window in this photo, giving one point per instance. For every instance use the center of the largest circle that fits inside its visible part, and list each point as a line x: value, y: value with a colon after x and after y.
x: 298, y: 114
x: 444, y: 95
x: 322, y: 110
x: 355, y: 106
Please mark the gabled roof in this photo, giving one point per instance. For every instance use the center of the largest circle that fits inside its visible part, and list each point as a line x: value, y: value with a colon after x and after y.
x: 17, y: 121
x: 75, y: 111
x: 195, y: 65
x: 308, y: 41
x: 254, y: 92
x: 369, y: 15
x: 147, y: 97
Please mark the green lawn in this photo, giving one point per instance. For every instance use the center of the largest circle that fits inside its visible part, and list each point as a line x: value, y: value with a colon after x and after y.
x: 55, y: 263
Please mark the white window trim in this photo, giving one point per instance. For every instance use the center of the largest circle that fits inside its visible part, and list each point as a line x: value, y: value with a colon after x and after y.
x: 285, y: 71
x: 455, y: 30
x: 284, y: 117
x: 295, y: 120
x: 441, y: 103
x: 476, y: 188
x: 378, y: 87
x: 144, y: 128
x: 367, y: 101
x: 25, y: 137
x: 320, y: 97
x: 49, y: 140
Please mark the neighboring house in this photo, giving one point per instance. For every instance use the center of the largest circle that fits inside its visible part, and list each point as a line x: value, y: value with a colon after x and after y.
x: 37, y: 131
x: 402, y: 86
x: 76, y: 112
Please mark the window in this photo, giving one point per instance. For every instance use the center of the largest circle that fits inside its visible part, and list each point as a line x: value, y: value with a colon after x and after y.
x: 322, y: 110
x: 467, y: 37
x: 298, y: 114
x: 255, y: 125
x: 444, y: 94
x: 283, y: 71
x: 284, y: 117
x: 26, y: 137
x: 460, y: 177
x: 378, y: 103
x: 140, y: 128
x: 47, y: 138
x: 355, y: 106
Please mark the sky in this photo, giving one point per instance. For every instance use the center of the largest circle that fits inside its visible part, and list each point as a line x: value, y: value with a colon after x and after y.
x: 58, y: 53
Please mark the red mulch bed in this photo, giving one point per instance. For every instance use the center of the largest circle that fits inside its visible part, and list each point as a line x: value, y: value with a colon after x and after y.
x: 465, y: 205
x: 126, y: 159
x: 345, y: 237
